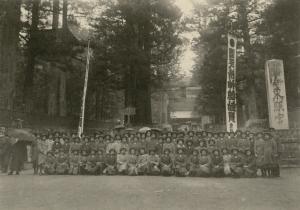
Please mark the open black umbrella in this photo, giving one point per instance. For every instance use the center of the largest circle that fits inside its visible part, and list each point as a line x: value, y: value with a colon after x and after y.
x: 20, y: 135
x: 156, y: 129
x: 119, y: 127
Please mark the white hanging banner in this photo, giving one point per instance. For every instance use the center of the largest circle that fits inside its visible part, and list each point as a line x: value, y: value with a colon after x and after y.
x: 278, y: 114
x: 231, y: 105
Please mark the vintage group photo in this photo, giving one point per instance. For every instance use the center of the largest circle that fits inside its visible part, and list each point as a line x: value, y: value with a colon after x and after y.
x: 150, y: 104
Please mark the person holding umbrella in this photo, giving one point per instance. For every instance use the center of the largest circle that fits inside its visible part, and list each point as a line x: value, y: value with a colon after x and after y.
x: 5, y: 148
x: 19, y: 138
x: 17, y: 157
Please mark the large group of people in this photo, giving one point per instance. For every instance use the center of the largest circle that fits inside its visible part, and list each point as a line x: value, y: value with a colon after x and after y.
x: 196, y: 154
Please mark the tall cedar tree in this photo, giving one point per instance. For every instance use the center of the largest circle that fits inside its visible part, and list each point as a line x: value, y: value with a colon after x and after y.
x: 139, y: 36
x: 9, y: 41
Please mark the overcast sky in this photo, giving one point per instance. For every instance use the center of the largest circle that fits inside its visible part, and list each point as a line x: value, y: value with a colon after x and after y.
x: 185, y: 5
x: 187, y: 60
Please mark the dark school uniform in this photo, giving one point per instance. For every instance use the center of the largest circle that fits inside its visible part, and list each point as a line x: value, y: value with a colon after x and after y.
x: 205, y: 164
x: 62, y: 166
x: 249, y: 166
x: 194, y: 167
x: 217, y: 165
x: 236, y: 165
x: 166, y: 165
x: 153, y: 164
x: 111, y: 162
x: 180, y: 164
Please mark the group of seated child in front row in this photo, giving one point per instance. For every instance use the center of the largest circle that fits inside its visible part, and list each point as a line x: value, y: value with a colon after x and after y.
x: 186, y: 160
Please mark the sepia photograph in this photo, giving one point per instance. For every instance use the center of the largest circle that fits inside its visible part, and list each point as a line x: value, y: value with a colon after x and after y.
x: 150, y: 104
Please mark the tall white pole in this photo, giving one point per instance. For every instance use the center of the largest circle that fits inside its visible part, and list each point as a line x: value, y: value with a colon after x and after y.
x: 81, y: 120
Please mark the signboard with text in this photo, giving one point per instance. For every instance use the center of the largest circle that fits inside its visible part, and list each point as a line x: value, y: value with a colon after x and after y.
x: 231, y: 105
x: 277, y: 105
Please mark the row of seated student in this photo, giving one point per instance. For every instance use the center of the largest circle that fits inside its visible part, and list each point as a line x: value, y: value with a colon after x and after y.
x: 203, y: 163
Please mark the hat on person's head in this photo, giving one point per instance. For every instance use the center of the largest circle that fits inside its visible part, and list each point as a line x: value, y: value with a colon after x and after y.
x: 151, y: 150
x: 259, y: 133
x: 189, y: 141
x: 180, y: 133
x: 268, y: 135
x: 234, y: 149
x: 169, y: 133
x: 132, y: 149
x: 174, y: 133
x: 167, y: 150
x: 198, y: 133
x: 190, y: 132
x: 112, y: 151
x: 244, y: 134
x: 179, y: 149
x: 123, y: 149
x: 204, y: 150
x: 49, y: 153
x: 180, y: 140
x: 195, y: 151
x: 202, y: 141
x: 221, y: 134
x: 248, y: 150
x: 216, y: 150
x: 211, y: 141
x: 224, y: 150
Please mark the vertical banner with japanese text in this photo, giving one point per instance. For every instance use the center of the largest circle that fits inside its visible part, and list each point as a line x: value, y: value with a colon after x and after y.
x: 231, y: 105
x: 277, y: 105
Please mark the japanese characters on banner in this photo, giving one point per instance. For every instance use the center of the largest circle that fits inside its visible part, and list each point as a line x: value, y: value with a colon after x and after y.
x: 278, y: 114
x: 231, y: 105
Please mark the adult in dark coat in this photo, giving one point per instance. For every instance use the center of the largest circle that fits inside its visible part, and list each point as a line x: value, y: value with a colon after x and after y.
x: 17, y: 157
x: 217, y: 167
x: 5, y: 151
x: 270, y: 154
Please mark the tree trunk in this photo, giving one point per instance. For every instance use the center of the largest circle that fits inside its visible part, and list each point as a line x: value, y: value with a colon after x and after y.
x: 138, y: 74
x: 145, y: 96
x: 97, y: 103
x: 29, y: 72
x: 62, y: 84
x: 53, y: 72
x: 9, y: 39
x: 55, y: 16
x: 252, y: 102
x: 62, y: 94
x: 65, y: 15
x: 131, y: 72
x: 252, y: 105
x: 53, y: 84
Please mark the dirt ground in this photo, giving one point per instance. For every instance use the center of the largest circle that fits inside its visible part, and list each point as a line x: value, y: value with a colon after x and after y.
x: 142, y: 193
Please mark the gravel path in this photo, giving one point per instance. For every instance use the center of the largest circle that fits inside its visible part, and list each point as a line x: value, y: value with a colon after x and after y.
x: 142, y: 193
